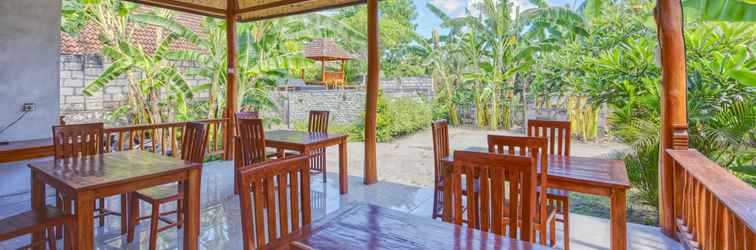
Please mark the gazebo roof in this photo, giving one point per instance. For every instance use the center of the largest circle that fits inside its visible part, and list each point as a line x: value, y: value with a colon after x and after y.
x: 249, y: 10
x: 325, y: 50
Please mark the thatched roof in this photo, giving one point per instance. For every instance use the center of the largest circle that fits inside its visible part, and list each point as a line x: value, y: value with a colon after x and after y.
x: 249, y: 10
x: 325, y: 50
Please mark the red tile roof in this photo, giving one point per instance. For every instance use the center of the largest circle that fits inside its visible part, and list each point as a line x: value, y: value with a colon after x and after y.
x: 88, y: 43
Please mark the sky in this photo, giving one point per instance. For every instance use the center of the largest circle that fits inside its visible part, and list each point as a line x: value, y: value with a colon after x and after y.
x: 426, y: 20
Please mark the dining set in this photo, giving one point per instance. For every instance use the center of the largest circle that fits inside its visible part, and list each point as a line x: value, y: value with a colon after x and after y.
x: 508, y: 195
x: 519, y: 185
x: 86, y: 170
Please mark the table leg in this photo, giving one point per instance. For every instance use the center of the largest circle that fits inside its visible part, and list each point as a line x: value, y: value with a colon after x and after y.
x: 192, y: 209
x: 619, y: 219
x: 343, y: 166
x: 85, y: 221
x: 38, y: 204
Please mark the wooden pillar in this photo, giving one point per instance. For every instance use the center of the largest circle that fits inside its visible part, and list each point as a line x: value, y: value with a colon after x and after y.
x: 231, y: 88
x: 674, y: 123
x: 373, y: 78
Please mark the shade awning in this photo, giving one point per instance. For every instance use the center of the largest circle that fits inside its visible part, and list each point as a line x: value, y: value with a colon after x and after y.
x: 249, y: 10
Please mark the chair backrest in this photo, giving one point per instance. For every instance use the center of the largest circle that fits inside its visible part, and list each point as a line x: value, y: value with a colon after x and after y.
x: 500, y: 208
x: 193, y: 142
x: 318, y: 122
x: 534, y: 147
x: 247, y: 115
x: 557, y: 132
x: 440, y: 144
x: 269, y: 203
x: 250, y: 143
x: 78, y: 140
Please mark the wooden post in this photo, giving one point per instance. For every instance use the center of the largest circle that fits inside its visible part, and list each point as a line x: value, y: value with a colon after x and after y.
x: 373, y: 78
x: 674, y: 122
x: 231, y: 89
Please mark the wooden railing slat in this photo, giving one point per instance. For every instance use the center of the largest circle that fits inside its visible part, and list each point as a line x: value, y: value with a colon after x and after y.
x: 713, y: 208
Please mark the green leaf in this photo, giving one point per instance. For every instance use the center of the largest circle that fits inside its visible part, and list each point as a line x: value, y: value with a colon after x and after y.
x: 746, y: 76
x: 112, y: 72
x: 723, y: 10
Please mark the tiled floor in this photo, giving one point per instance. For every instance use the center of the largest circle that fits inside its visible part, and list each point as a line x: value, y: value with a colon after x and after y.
x: 221, y: 228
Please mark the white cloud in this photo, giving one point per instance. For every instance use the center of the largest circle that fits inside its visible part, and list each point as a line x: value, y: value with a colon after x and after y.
x: 453, y: 8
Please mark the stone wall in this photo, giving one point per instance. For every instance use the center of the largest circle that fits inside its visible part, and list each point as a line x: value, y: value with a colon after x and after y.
x: 346, y: 105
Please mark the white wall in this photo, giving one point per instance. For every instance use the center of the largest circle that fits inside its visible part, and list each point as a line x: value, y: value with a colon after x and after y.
x: 29, y: 61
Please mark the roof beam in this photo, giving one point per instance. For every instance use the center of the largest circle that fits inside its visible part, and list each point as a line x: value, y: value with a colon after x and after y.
x: 269, y: 5
x: 185, y: 7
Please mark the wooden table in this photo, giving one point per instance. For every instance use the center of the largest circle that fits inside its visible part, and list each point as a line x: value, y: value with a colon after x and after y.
x: 26, y: 150
x: 583, y: 175
x: 303, y: 142
x: 365, y: 226
x: 87, y: 178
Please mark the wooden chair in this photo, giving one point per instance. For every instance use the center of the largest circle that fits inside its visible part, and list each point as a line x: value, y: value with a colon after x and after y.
x: 440, y: 151
x: 258, y: 183
x: 534, y: 147
x: 83, y: 140
x: 33, y: 222
x: 194, y: 141
x: 318, y: 123
x: 250, y: 146
x: 558, y: 136
x: 247, y: 115
x: 499, y: 209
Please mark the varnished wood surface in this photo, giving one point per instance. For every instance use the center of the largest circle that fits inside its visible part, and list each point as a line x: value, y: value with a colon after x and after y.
x: 365, y: 226
x: 305, y: 142
x: 591, y: 171
x: 585, y: 175
x: 713, y: 209
x: 268, y: 181
x: 25, y: 150
x: 87, y: 178
x: 92, y: 172
x: 301, y: 139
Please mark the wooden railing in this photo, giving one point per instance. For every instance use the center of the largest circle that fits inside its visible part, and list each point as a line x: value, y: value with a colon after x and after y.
x: 163, y: 138
x: 713, y: 208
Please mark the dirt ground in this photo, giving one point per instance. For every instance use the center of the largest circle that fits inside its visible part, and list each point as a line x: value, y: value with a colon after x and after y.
x: 409, y: 160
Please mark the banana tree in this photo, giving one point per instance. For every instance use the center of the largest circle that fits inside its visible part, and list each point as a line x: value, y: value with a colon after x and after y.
x: 159, y: 77
x: 116, y: 21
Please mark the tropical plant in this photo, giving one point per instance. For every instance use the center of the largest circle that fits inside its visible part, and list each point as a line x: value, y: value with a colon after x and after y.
x: 154, y: 84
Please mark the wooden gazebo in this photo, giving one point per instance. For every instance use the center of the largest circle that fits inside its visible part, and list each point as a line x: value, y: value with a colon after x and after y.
x: 326, y: 50
x: 669, y: 21
x: 253, y: 10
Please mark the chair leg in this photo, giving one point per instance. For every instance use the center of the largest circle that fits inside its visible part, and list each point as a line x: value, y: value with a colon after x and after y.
x: 51, y: 238
x: 101, y: 209
x: 154, y: 221
x: 179, y: 213
x: 434, y: 214
x: 566, y: 223
x: 323, y: 162
x: 59, y: 205
x: 133, y: 216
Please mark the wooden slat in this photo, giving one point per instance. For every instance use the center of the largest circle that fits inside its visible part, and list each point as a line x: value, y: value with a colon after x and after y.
x: 713, y: 209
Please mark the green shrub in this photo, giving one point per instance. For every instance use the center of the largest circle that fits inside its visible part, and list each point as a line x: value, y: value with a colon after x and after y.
x: 396, y: 117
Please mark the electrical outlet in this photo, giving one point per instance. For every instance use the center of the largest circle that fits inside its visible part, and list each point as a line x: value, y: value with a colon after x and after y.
x: 29, y: 107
